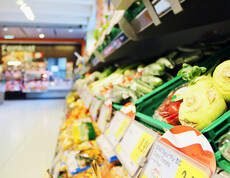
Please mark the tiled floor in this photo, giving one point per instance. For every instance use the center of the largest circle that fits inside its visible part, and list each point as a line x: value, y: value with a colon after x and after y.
x: 28, y: 136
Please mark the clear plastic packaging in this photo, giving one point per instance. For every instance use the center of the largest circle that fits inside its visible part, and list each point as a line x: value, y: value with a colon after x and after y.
x: 224, y: 145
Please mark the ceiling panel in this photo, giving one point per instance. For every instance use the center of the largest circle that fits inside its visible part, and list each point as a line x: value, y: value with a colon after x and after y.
x: 17, y: 32
x: 34, y: 32
x: 64, y: 33
x: 51, y: 15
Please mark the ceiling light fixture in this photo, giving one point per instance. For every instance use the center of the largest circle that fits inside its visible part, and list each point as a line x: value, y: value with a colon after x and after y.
x: 70, y: 30
x: 5, y: 29
x: 41, y: 35
x: 8, y: 37
x: 26, y: 10
x: 14, y: 63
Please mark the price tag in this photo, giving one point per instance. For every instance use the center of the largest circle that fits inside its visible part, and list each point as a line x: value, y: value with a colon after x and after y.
x: 117, y: 128
x: 122, y: 128
x: 92, y: 104
x: 106, y: 148
x: 134, y: 146
x: 104, y: 117
x: 192, y: 143
x: 162, y: 157
x: 186, y: 169
x: 88, y: 98
x: 142, y: 145
x: 94, y: 108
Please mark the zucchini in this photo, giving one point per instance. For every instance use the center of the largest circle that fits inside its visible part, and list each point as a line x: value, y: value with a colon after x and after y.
x: 140, y: 86
x: 154, y: 69
x: 152, y: 81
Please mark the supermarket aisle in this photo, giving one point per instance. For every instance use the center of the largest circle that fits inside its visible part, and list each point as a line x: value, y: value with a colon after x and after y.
x: 28, y: 136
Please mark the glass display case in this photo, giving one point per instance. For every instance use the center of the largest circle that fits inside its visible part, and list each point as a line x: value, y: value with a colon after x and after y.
x: 36, y: 81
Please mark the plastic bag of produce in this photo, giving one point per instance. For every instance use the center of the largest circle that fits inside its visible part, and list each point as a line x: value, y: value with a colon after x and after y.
x: 168, y: 111
x: 224, y: 145
x: 83, y: 131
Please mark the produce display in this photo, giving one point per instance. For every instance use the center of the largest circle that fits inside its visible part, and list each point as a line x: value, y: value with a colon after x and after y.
x: 131, y: 82
x: 127, y: 83
x: 79, y: 154
x: 196, y: 103
x: 221, y: 79
x: 201, y: 101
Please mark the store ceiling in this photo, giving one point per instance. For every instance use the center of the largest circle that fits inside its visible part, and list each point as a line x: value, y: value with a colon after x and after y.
x: 54, y: 18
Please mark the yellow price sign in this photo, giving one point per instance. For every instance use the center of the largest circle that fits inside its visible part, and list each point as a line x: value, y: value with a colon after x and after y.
x: 142, y: 145
x: 118, y: 149
x: 144, y: 176
x: 188, y: 170
x: 107, y: 132
x: 122, y: 127
x: 105, y: 118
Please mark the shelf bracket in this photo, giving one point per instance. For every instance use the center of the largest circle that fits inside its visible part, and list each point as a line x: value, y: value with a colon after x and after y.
x: 152, y: 12
x: 176, y: 6
x: 122, y: 4
x: 99, y: 55
x: 128, y: 29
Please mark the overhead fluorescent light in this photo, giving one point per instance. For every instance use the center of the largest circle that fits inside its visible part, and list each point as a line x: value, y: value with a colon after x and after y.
x: 26, y: 10
x: 14, y: 63
x: 9, y: 37
x: 70, y: 30
x: 5, y: 29
x: 41, y: 35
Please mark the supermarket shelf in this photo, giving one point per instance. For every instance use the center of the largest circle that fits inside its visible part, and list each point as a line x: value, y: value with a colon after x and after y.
x: 197, y: 18
x: 122, y: 4
x: 117, y: 43
x: 195, y: 13
x: 144, y: 20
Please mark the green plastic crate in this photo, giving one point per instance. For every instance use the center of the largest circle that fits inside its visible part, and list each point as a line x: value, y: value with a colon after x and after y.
x: 213, y: 133
x: 147, y: 105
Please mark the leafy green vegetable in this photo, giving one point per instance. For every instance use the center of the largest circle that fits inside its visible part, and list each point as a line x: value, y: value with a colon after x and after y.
x: 189, y: 72
x: 96, y: 34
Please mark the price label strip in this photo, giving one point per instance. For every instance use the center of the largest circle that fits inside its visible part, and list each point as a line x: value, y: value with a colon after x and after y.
x: 95, y: 107
x: 106, y: 148
x: 104, y: 117
x: 134, y: 146
x: 117, y: 128
x: 165, y: 162
x: 92, y: 104
x: 88, y: 99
